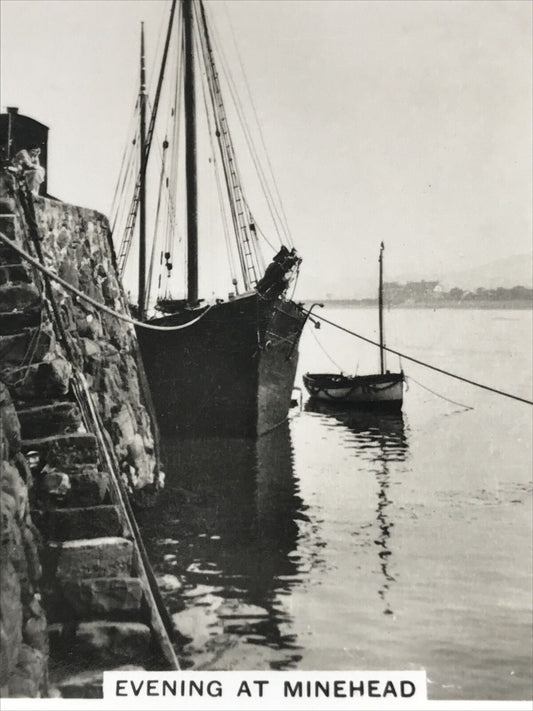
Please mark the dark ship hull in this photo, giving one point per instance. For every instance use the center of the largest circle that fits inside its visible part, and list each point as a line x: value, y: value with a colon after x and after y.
x: 230, y: 373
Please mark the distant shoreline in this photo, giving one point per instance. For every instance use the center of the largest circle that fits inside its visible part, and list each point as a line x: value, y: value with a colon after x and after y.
x: 512, y: 304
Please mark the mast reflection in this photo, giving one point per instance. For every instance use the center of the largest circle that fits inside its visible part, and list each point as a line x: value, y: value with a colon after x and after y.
x: 380, y: 438
x: 226, y: 526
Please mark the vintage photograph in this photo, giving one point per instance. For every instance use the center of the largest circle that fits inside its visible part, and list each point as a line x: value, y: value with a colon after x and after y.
x: 266, y: 312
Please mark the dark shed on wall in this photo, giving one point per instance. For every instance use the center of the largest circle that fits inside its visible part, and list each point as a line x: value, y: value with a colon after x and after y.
x: 18, y: 132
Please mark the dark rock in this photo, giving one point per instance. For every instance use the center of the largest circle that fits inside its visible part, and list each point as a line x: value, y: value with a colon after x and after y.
x: 30, y: 344
x: 88, y: 685
x: 112, y: 642
x: 74, y: 523
x: 96, y: 557
x: 8, y: 228
x: 19, y: 296
x: 45, y: 420
x: 30, y: 675
x: 36, y: 633
x: 64, y: 450
x: 10, y: 442
x: 88, y: 485
x: 102, y: 596
x: 49, y: 379
x: 16, y: 321
x: 14, y: 273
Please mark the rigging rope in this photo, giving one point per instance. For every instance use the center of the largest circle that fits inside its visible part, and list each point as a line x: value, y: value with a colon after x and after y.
x: 102, y: 307
x: 420, y: 362
x: 277, y: 220
x: 284, y: 221
x: 442, y: 397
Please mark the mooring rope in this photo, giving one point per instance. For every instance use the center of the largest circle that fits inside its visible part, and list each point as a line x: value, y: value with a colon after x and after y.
x: 420, y: 362
x: 97, y: 305
x: 433, y: 392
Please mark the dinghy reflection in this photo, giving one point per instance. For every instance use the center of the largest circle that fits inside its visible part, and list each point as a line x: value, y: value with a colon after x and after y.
x: 223, y: 540
x: 380, y: 438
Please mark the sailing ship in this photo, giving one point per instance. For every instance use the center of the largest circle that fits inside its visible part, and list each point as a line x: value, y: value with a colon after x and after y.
x: 380, y: 390
x: 225, y: 368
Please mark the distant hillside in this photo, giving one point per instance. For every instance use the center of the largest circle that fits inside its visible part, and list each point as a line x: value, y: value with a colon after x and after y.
x: 511, y: 271
x: 506, y: 273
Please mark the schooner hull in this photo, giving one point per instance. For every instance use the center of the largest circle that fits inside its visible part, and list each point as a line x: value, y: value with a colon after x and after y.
x: 230, y: 373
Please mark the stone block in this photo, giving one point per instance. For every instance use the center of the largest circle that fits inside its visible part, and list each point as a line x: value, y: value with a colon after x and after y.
x: 61, y: 451
x: 95, y: 557
x: 14, y: 273
x: 8, y: 224
x: 7, y: 204
x: 101, y: 597
x: 36, y: 633
x: 30, y: 343
x: 19, y: 297
x: 113, y: 642
x: 16, y: 321
x: 74, y: 523
x: 30, y: 675
x: 88, y: 684
x: 88, y: 485
x: 46, y: 380
x: 10, y: 427
x: 46, y: 420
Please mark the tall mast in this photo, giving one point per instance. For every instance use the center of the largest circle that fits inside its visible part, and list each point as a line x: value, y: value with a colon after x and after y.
x: 190, y: 154
x: 380, y: 306
x: 142, y: 190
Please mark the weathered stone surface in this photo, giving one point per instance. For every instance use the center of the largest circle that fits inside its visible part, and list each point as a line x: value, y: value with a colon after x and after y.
x: 88, y: 685
x: 63, y: 450
x: 9, y: 426
x: 101, y: 596
x: 23, y: 640
x: 7, y: 205
x: 19, y: 296
x: 29, y: 678
x: 32, y: 342
x: 13, y: 486
x: 8, y: 228
x: 113, y: 642
x: 48, y: 379
x: 14, y: 273
x: 88, y: 485
x: 46, y: 420
x: 15, y: 321
x: 96, y: 557
x: 75, y: 523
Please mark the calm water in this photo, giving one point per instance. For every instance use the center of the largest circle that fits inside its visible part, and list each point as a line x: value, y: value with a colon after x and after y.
x: 351, y: 541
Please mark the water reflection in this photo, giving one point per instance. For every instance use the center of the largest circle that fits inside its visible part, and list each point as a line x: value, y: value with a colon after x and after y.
x: 225, y: 531
x: 380, y: 438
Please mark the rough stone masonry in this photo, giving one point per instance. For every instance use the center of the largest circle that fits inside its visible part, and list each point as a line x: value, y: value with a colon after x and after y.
x: 80, y: 562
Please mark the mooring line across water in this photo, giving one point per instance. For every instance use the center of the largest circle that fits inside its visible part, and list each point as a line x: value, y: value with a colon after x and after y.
x: 102, y: 307
x: 97, y: 305
x: 419, y: 362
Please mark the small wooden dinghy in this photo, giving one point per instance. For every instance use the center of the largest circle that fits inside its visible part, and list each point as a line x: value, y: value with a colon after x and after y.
x: 383, y: 390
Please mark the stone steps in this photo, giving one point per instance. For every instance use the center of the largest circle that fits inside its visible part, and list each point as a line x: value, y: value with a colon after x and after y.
x: 87, y: 684
x: 29, y: 343
x: 65, y: 449
x: 69, y: 524
x: 59, y: 417
x: 100, y: 642
x: 89, y: 558
x: 12, y: 322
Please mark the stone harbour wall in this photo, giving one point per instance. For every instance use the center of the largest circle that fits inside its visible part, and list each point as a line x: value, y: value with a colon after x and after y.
x: 76, y: 244
x: 23, y: 626
x: 75, y: 597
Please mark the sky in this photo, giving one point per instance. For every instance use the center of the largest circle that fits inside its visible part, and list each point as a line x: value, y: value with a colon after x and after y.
x: 407, y: 122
